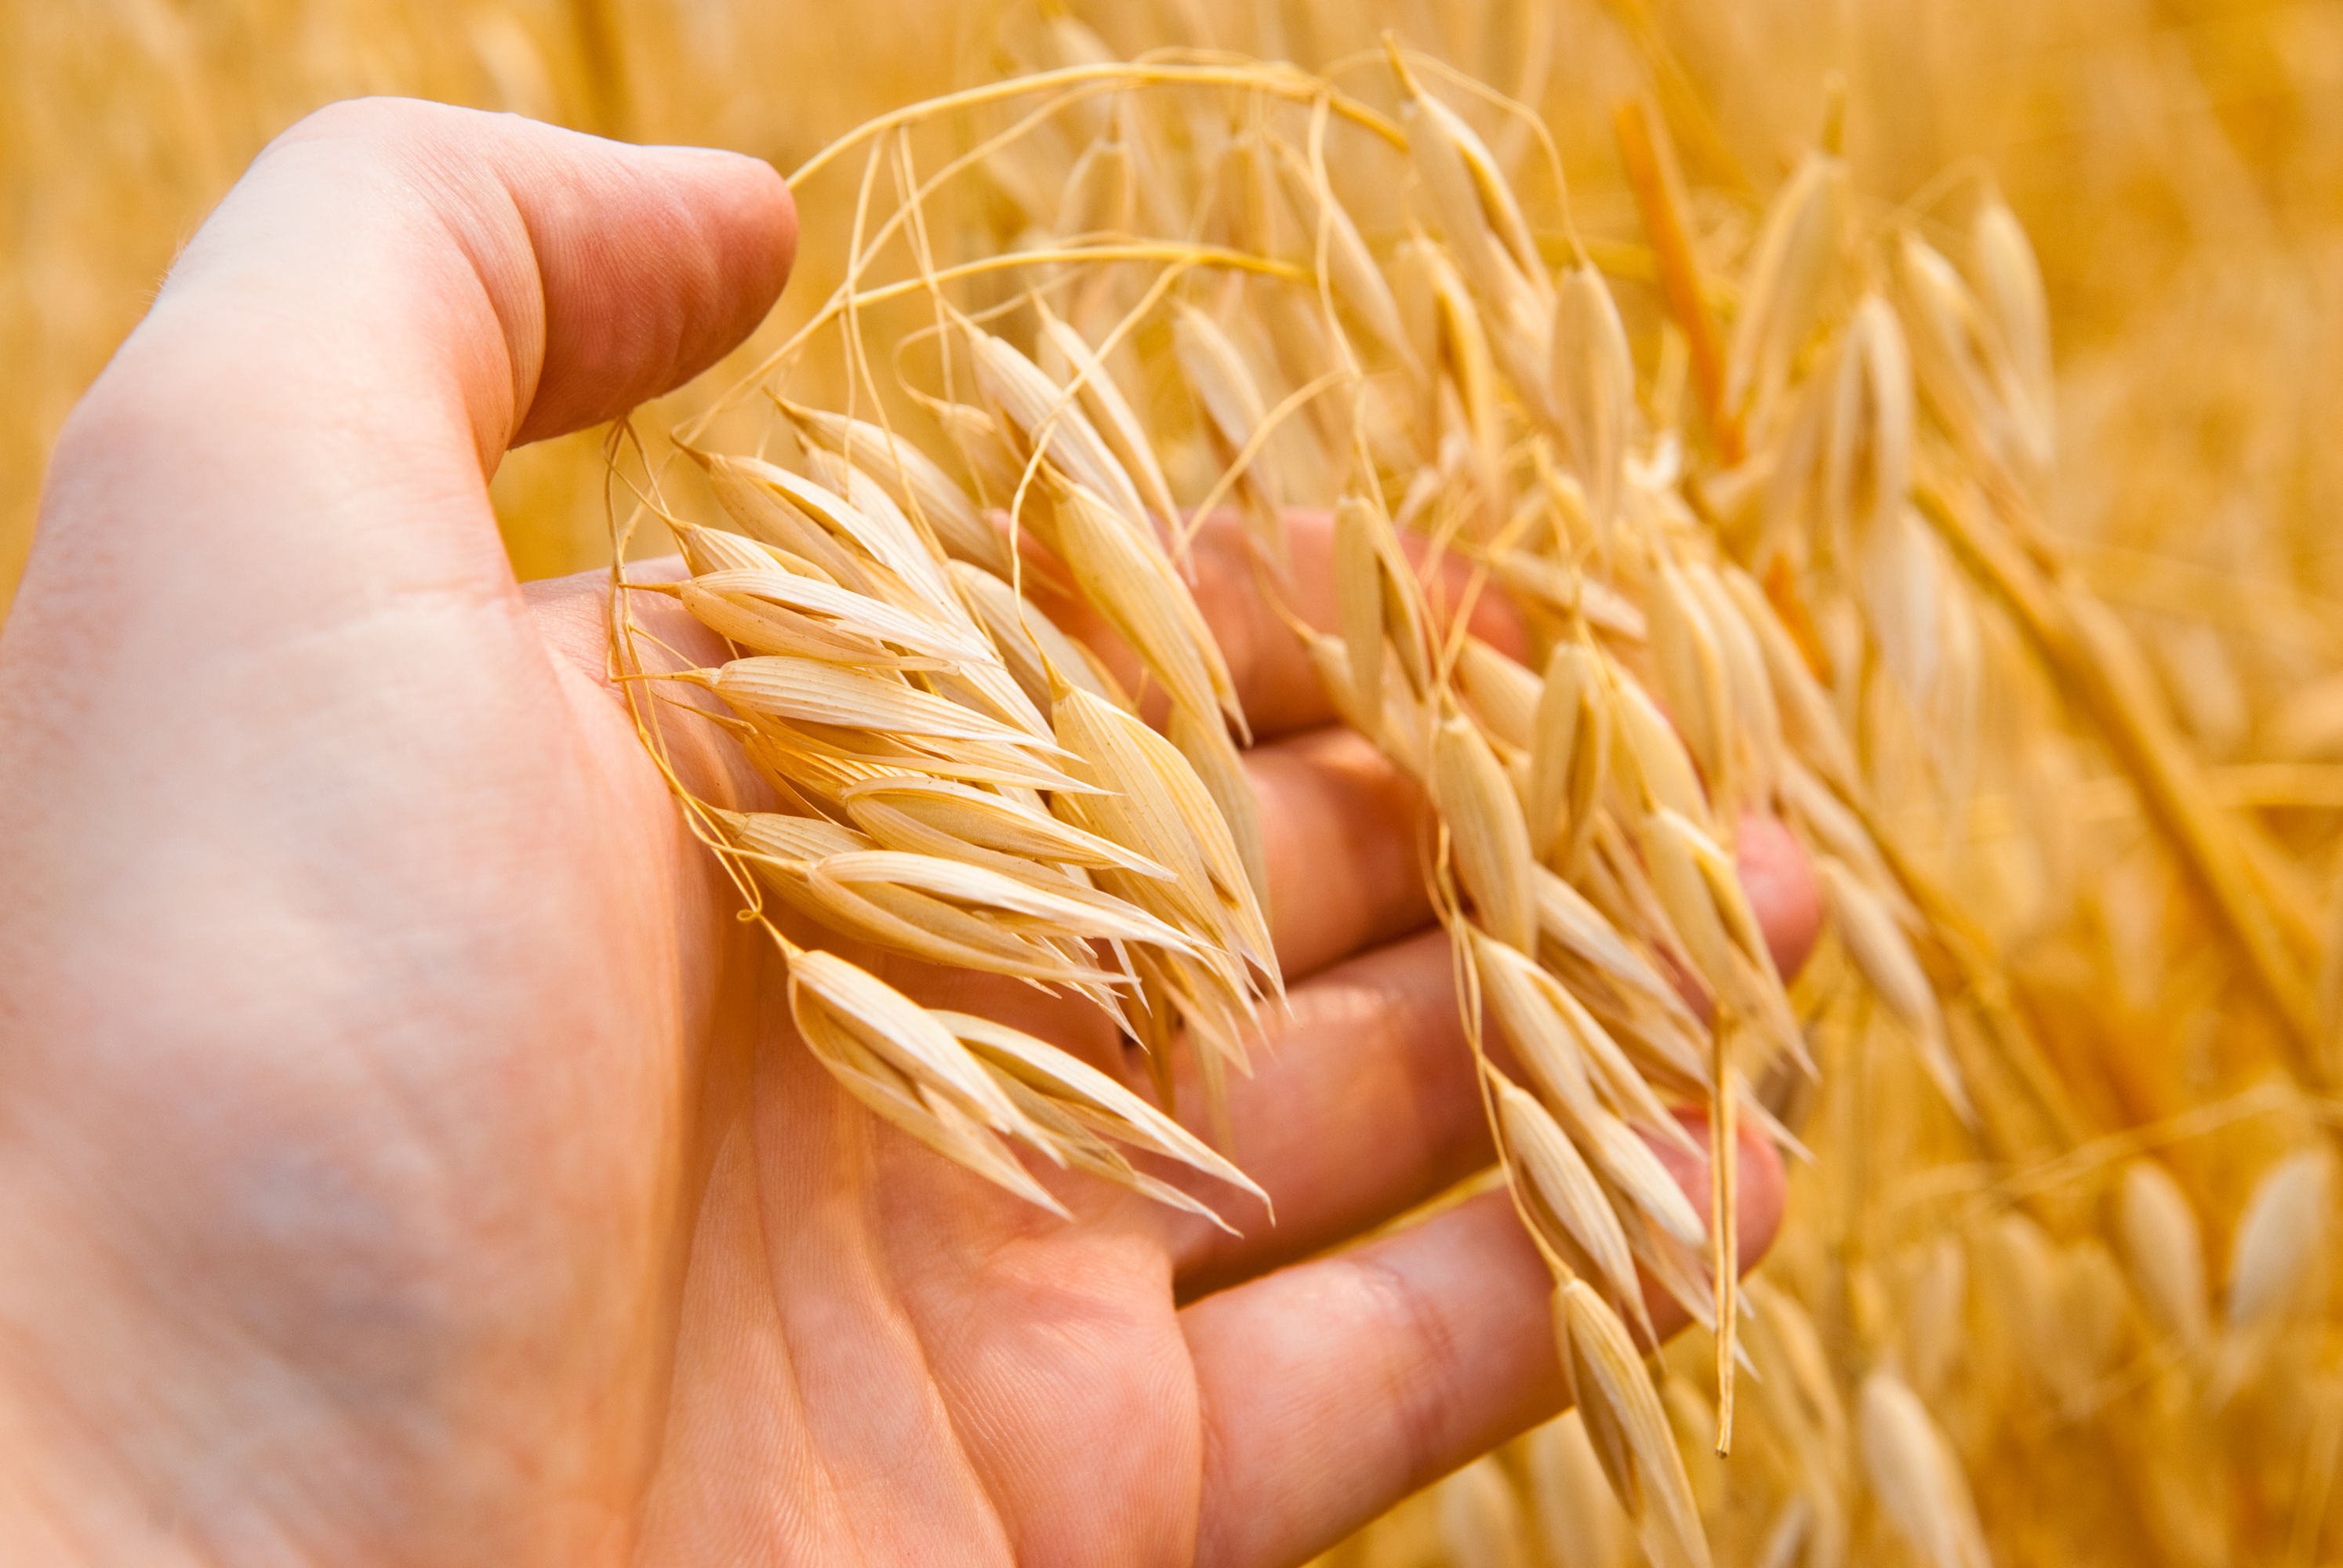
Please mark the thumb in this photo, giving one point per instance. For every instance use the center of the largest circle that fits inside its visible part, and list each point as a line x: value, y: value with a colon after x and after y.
x: 266, y: 549
x: 550, y: 279
x: 393, y: 294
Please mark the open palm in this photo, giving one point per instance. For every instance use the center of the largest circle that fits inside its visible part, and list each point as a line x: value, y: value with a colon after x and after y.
x: 403, y: 1154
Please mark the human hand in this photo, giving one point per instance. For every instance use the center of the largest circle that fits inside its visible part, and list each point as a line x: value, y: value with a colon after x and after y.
x: 403, y: 1156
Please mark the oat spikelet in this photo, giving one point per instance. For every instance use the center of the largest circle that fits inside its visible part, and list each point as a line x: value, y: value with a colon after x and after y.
x: 1593, y: 384
x: 2010, y: 285
x: 1962, y: 367
x: 1866, y: 479
x: 1917, y: 1480
x: 1690, y: 663
x: 832, y: 999
x: 1131, y: 583
x: 1501, y: 695
x: 1563, y: 1192
x: 1235, y: 410
x: 1032, y: 648
x: 1879, y: 946
x: 2281, y: 1239
x: 1655, y: 753
x: 1090, y: 1096
x: 1045, y: 419
x: 1629, y: 1427
x: 942, y: 911
x: 1675, y: 849
x: 1114, y: 419
x: 1359, y: 284
x: 1467, y: 193
x: 992, y: 464
x: 2166, y: 1252
x: 1816, y: 738
x: 1152, y: 802
x: 1490, y: 840
x: 1101, y: 189
x: 1796, y: 255
x: 917, y: 483
x: 929, y: 816
x: 1570, y: 746
x: 1376, y: 603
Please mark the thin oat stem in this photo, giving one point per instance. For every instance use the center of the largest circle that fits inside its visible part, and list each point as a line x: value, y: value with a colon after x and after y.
x: 851, y: 344
x: 1285, y: 83
x: 1244, y: 459
x: 830, y: 310
x: 1160, y: 250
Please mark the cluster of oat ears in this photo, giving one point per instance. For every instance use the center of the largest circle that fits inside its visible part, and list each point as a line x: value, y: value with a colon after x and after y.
x: 1196, y: 320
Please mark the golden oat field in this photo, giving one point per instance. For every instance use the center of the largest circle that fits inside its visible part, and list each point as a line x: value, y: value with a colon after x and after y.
x: 1911, y: 420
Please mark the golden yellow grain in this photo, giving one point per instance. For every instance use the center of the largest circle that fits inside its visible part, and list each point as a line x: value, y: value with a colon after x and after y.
x: 914, y: 480
x: 840, y: 1000
x: 1629, y: 1427
x: 1135, y: 588
x: 1490, y: 842
x: 1592, y: 380
x: 1050, y: 425
x: 1881, y: 951
x: 1919, y: 1482
x: 950, y: 813
x: 2165, y: 1249
x: 1037, y: 655
x: 2011, y: 289
x: 1114, y: 419
x: 1821, y: 650
x: 1795, y: 258
x: 2280, y: 1248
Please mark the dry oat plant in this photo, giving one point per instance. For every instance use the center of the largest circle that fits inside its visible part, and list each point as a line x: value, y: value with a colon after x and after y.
x: 1773, y: 462
x: 1791, y: 562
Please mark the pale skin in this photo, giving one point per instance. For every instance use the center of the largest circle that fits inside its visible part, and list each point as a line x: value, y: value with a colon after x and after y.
x: 404, y: 1158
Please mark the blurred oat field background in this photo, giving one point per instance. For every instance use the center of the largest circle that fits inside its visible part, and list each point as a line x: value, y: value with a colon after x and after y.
x: 2110, y: 1311
x: 2176, y: 165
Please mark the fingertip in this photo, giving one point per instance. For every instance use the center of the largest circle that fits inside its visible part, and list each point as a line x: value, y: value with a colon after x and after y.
x: 751, y: 223
x: 1784, y: 893
x: 611, y: 273
x: 755, y: 218
x: 675, y: 257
